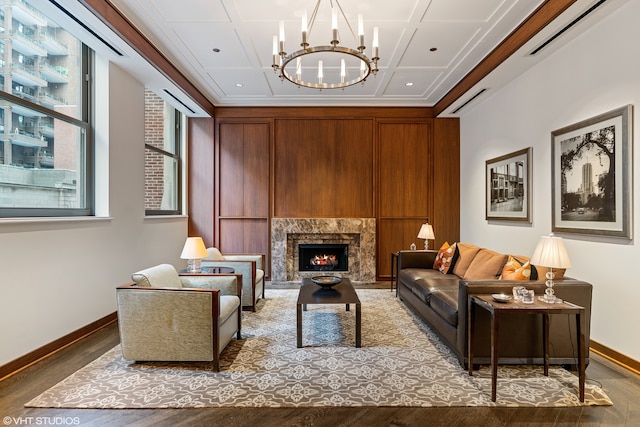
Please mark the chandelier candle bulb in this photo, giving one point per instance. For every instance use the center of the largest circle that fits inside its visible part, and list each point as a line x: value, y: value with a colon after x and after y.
x: 275, y: 52
x: 375, y: 43
x: 343, y: 70
x: 282, y: 49
x: 320, y: 74
x: 304, y: 30
x: 334, y: 26
x: 360, y: 32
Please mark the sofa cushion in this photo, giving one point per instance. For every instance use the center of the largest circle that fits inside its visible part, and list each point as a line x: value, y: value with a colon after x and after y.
x: 487, y: 264
x: 466, y: 253
x: 445, y: 258
x: 445, y: 303
x: 514, y: 269
x: 424, y: 287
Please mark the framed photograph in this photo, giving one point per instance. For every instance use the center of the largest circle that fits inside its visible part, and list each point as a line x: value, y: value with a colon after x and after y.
x: 591, y: 171
x: 508, y: 187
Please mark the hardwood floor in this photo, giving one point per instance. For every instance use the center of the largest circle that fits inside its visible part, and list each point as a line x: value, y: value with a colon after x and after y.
x: 622, y: 386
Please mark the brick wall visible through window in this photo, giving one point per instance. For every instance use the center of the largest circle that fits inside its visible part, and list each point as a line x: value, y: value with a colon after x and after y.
x: 160, y: 167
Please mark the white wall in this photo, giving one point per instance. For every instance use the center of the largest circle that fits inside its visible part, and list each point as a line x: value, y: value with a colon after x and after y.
x: 595, y: 73
x: 59, y: 276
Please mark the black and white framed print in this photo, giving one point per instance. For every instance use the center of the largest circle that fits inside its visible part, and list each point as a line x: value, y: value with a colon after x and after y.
x: 592, y: 176
x: 508, y: 187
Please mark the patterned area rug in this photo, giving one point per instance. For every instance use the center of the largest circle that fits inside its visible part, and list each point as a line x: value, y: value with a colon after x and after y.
x: 401, y: 363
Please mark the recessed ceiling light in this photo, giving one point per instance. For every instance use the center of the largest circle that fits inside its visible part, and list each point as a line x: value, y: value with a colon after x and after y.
x: 433, y: 49
x: 408, y: 84
x: 216, y: 50
x: 239, y: 85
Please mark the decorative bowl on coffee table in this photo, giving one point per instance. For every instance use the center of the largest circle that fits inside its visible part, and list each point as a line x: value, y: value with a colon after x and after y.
x: 326, y: 281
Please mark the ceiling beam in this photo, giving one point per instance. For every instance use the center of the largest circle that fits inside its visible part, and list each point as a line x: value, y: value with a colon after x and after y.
x: 110, y: 16
x: 540, y: 18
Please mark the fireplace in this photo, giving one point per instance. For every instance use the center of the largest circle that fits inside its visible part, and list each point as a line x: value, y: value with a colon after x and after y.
x: 323, y: 257
x: 358, y: 234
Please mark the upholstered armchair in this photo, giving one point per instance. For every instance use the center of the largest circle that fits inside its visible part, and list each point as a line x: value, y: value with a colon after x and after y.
x: 165, y: 317
x: 251, y: 266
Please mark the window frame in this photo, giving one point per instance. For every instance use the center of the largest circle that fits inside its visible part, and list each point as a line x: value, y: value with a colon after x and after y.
x: 177, y: 156
x: 86, y: 128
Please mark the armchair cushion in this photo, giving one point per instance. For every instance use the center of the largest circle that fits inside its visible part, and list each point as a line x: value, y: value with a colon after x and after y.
x: 159, y: 276
x: 214, y: 254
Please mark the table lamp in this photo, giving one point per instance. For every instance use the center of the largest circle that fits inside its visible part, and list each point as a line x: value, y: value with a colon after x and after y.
x: 193, y: 251
x: 426, y: 232
x: 550, y: 253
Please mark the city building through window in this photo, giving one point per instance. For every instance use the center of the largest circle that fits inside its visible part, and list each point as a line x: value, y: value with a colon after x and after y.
x: 44, y: 131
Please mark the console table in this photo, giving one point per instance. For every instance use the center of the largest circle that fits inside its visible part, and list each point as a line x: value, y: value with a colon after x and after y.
x: 538, y: 307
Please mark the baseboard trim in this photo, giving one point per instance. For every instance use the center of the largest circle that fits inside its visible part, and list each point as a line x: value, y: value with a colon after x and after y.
x: 615, y: 357
x: 47, y: 350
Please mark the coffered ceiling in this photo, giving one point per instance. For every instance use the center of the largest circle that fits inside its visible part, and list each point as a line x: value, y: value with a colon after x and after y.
x: 426, y: 46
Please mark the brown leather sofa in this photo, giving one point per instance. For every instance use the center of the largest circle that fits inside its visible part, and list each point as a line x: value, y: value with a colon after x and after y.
x: 441, y: 301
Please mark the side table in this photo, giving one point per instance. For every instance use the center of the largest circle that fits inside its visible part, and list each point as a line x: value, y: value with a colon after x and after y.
x: 208, y: 270
x: 538, y: 307
x: 394, y: 272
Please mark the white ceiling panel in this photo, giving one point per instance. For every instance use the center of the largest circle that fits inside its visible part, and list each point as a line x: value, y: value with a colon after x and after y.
x: 462, y: 31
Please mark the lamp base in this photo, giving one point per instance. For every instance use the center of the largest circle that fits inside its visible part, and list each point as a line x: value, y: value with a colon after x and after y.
x: 194, y: 265
x: 550, y: 299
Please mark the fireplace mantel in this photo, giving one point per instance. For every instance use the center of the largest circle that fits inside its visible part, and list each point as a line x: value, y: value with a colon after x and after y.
x: 359, y: 233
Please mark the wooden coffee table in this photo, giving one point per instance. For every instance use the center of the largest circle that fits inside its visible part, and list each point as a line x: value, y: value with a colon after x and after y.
x: 342, y: 293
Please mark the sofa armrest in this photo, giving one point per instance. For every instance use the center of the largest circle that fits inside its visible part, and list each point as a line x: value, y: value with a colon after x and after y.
x: 416, y: 259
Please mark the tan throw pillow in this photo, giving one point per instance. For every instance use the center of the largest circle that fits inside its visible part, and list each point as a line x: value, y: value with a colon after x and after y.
x: 515, y: 270
x: 466, y: 253
x: 444, y: 259
x: 487, y: 264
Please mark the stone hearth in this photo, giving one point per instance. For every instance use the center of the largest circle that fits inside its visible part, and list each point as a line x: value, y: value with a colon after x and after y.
x: 358, y: 233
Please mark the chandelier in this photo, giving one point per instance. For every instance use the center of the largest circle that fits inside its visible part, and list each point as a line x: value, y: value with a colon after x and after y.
x: 337, y: 66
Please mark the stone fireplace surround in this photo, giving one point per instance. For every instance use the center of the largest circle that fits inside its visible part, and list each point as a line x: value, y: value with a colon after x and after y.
x: 358, y: 233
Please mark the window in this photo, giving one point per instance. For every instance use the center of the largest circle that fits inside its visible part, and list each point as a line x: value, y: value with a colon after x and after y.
x: 162, y: 162
x: 45, y: 143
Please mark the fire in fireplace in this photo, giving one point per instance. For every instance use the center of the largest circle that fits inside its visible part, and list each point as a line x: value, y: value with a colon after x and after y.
x: 323, y: 257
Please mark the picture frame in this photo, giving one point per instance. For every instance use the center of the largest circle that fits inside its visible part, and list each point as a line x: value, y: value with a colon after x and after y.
x: 508, y: 187
x: 591, y: 171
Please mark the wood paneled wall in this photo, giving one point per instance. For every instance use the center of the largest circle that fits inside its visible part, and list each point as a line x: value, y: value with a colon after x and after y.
x: 405, y: 186
x: 323, y: 168
x: 398, y: 165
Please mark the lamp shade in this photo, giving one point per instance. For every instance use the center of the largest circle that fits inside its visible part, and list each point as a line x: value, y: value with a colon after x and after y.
x: 426, y: 232
x: 551, y: 252
x: 194, y: 248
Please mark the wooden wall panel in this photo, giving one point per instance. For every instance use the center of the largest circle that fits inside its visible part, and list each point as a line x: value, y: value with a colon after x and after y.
x: 446, y: 181
x: 243, y: 224
x: 200, y: 198
x: 323, y: 169
x: 231, y: 174
x: 240, y: 236
x: 404, y: 169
